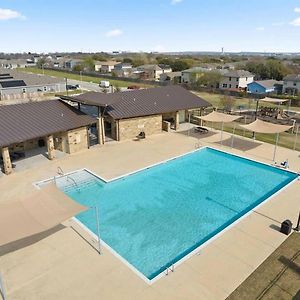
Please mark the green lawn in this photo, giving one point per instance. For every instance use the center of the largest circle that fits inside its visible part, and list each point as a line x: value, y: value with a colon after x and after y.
x: 60, y: 74
x: 247, y: 103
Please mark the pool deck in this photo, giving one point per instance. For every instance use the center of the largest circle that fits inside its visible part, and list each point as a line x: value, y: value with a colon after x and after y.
x: 60, y: 264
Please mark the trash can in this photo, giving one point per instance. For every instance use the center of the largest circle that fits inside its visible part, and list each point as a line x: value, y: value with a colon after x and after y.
x: 286, y: 227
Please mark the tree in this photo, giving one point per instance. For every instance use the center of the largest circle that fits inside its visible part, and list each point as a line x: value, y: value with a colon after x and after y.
x: 41, y: 62
x: 78, y: 68
x: 180, y: 65
x: 271, y: 69
x: 207, y: 79
x: 89, y: 63
x: 227, y: 102
x: 127, y: 60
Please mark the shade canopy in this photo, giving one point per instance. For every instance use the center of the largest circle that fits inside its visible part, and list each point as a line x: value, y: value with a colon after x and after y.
x: 39, y: 211
x: 260, y: 126
x: 218, y: 117
x: 273, y: 100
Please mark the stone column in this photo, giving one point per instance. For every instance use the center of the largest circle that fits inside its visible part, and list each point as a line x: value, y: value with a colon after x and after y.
x: 177, y: 120
x: 7, y: 166
x: 50, y: 147
x: 100, y: 129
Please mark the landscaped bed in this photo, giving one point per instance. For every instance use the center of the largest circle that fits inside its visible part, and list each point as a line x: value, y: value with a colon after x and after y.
x: 278, y: 277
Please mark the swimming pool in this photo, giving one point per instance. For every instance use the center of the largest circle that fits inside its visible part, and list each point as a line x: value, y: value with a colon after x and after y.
x: 155, y: 217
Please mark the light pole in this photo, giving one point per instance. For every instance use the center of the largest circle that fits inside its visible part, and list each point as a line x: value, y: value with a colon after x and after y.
x: 66, y: 79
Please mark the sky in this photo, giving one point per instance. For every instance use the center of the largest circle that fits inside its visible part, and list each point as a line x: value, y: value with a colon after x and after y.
x: 149, y: 25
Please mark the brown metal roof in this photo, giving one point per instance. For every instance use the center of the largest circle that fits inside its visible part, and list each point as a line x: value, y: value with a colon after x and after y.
x: 137, y: 103
x: 22, y: 122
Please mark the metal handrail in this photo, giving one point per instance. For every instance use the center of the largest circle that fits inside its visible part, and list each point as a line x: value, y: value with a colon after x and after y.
x: 60, y: 171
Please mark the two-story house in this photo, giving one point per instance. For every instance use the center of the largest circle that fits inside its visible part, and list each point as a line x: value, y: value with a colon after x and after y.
x: 122, y: 69
x: 151, y: 72
x: 236, y: 79
x: 291, y: 84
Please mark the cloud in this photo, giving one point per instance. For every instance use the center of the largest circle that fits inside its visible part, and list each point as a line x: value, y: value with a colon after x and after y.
x: 8, y: 14
x: 260, y: 28
x: 296, y: 22
x: 114, y: 33
x: 173, y: 2
x: 297, y: 10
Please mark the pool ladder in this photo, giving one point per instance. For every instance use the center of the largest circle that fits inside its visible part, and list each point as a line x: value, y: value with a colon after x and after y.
x: 60, y: 172
x: 169, y: 269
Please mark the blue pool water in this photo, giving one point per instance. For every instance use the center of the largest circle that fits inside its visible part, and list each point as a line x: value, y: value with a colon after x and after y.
x: 155, y: 217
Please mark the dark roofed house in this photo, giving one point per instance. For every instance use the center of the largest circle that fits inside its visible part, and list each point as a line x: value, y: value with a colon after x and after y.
x: 15, y: 83
x: 128, y: 113
x: 31, y: 125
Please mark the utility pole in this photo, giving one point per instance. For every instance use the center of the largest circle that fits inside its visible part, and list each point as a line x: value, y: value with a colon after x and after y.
x: 67, y: 86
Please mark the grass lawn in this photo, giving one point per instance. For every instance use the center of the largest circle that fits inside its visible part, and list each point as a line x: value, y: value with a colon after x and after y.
x: 278, y: 277
x: 286, y: 139
x: 247, y: 103
x: 60, y: 74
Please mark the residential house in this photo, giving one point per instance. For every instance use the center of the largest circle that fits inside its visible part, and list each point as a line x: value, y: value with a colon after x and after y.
x: 16, y: 63
x: 151, y: 111
x: 46, y: 125
x: 14, y: 83
x: 265, y: 87
x: 291, y: 84
x: 165, y: 68
x: 150, y: 72
x: 71, y: 63
x: 193, y: 74
x: 122, y: 69
x: 174, y: 77
x: 236, y: 79
x: 105, y: 66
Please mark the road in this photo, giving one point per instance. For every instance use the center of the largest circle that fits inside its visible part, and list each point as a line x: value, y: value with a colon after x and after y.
x: 89, y: 86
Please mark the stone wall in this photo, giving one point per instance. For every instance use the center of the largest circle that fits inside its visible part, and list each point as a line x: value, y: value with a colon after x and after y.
x: 77, y: 140
x: 130, y: 128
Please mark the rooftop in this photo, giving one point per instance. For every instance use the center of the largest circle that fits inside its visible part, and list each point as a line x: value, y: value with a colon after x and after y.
x: 26, y: 121
x: 268, y: 84
x: 28, y: 78
x: 238, y: 73
x: 292, y: 77
x: 144, y: 102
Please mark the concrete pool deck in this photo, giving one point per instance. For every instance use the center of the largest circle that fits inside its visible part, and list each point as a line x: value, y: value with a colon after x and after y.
x: 62, y: 265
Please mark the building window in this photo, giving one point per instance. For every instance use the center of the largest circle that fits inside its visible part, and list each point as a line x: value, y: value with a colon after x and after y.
x: 246, y: 78
x: 229, y: 78
x: 230, y: 86
x: 295, y: 83
x: 237, y: 86
x: 224, y: 85
x: 237, y: 79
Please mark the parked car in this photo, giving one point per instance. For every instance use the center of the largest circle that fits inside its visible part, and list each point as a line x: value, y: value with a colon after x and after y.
x: 104, y: 84
x: 72, y: 86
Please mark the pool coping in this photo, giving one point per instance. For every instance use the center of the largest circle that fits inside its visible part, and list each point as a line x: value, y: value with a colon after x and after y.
x: 195, y: 251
